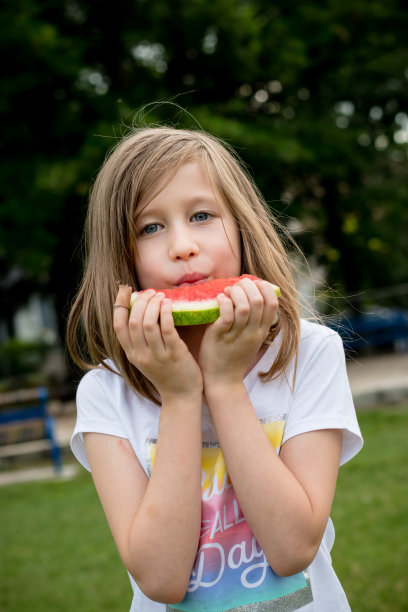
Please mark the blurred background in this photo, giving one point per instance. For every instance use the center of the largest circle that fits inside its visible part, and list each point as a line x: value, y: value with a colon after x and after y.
x: 314, y: 97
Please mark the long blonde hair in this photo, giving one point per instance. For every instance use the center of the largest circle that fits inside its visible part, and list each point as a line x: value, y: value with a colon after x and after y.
x: 129, y: 174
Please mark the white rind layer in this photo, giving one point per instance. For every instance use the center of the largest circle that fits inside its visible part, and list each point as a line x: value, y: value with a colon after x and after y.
x: 194, y: 306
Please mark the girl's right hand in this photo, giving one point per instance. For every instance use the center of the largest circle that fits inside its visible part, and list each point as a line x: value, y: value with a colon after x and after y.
x: 151, y: 343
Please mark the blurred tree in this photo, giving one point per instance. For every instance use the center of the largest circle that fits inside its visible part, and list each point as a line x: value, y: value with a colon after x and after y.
x: 313, y: 95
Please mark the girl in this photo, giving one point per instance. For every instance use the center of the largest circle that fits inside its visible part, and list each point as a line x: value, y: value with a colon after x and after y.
x: 214, y: 448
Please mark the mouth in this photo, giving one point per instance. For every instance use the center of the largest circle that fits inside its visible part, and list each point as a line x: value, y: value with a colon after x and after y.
x: 193, y: 278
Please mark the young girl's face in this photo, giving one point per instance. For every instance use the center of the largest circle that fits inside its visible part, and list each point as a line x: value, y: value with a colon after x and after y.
x: 186, y: 233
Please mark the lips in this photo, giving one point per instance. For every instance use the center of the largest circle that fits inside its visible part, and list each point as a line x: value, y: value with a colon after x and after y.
x: 191, y: 279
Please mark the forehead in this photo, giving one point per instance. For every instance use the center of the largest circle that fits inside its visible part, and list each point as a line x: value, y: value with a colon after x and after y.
x: 188, y: 181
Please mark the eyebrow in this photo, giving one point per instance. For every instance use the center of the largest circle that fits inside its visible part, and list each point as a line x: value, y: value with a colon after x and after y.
x: 205, y: 198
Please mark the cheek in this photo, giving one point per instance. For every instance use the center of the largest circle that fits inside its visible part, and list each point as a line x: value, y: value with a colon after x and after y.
x: 227, y: 251
x: 143, y: 271
x: 150, y: 264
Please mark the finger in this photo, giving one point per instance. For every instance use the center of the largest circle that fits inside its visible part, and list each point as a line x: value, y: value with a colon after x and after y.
x: 226, y: 318
x: 137, y: 315
x: 271, y: 303
x: 241, y: 306
x: 151, y: 327
x: 256, y: 301
x: 168, y: 329
x: 170, y: 335
x: 121, y: 315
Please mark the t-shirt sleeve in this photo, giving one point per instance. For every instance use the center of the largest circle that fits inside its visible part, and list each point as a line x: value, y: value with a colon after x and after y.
x: 97, y: 411
x: 322, y: 398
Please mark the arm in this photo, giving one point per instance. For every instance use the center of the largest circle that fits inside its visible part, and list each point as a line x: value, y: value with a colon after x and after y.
x: 286, y: 499
x: 155, y: 523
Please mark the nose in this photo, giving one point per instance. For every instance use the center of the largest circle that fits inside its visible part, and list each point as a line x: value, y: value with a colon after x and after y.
x: 183, y: 244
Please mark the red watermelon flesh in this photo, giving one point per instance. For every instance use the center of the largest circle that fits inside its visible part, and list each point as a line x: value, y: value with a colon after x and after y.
x: 197, y: 304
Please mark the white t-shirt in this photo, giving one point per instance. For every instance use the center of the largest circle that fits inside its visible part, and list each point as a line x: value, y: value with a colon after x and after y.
x: 231, y: 571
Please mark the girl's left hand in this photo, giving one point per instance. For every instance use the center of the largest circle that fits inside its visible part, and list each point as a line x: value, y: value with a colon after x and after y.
x: 247, y: 312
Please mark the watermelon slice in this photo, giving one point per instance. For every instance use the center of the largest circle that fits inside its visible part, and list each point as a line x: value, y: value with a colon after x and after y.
x: 197, y: 304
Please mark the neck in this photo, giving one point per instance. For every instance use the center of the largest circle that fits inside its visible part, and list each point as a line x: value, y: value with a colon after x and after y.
x: 192, y: 335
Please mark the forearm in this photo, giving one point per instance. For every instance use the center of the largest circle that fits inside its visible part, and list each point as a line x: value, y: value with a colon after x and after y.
x: 273, y: 501
x: 164, y: 535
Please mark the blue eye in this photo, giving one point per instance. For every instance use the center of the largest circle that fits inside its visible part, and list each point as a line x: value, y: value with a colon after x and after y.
x: 150, y: 229
x: 201, y: 216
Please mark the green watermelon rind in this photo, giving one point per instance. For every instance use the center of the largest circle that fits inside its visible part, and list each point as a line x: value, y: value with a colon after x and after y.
x: 196, y: 313
x: 195, y: 317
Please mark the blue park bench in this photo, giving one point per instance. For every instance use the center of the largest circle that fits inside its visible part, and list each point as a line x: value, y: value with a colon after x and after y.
x: 26, y: 425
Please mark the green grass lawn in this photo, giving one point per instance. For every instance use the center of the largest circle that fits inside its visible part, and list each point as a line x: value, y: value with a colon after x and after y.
x: 370, y: 514
x: 57, y: 552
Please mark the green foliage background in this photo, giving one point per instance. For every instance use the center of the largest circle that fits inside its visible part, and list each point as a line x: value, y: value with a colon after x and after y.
x: 312, y: 95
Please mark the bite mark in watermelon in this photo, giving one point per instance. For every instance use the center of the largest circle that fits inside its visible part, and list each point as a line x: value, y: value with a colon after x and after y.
x: 197, y: 304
